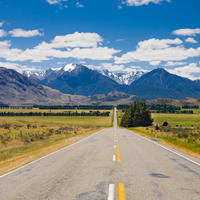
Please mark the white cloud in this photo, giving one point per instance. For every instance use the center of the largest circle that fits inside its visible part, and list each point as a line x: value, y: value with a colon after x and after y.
x: 53, y: 2
x: 158, y: 44
x: 6, y: 52
x: 82, y: 62
x: 61, y: 63
x: 112, y: 67
x: 3, y: 33
x: 162, y: 50
x: 186, y: 32
x: 78, y: 45
x: 18, y: 67
x: 143, y: 2
x: 119, y: 40
x: 78, y: 5
x: 2, y: 23
x: 22, y: 33
x: 75, y: 40
x: 155, y: 62
x: 134, y: 68
x: 65, y: 6
x: 186, y: 71
x: 175, y: 63
x: 119, y: 7
x: 191, y: 40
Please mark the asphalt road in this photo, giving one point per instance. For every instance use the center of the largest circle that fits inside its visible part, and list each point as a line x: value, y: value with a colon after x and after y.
x: 111, y: 164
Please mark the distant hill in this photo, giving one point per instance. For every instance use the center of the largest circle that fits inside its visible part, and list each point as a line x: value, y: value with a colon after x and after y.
x: 174, y: 102
x: 18, y: 89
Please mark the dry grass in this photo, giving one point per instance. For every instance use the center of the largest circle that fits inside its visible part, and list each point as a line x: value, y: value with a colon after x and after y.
x: 38, y: 150
x: 176, y: 145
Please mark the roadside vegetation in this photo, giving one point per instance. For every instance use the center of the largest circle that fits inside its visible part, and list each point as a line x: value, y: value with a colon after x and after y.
x: 181, y: 131
x: 27, y: 136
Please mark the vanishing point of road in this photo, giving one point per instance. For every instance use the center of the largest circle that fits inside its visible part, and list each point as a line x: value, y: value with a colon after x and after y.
x: 108, y: 165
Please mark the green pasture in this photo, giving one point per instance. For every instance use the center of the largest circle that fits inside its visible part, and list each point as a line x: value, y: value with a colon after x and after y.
x: 177, y: 119
x: 81, y: 120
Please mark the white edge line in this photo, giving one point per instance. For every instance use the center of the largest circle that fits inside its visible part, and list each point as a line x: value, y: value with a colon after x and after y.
x: 167, y: 149
x: 114, y: 157
x: 114, y: 140
x: 1, y: 176
x: 114, y: 146
x: 111, y: 192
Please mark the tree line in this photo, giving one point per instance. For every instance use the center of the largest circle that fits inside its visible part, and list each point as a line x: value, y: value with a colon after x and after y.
x: 137, y: 115
x: 66, y: 113
x: 78, y: 107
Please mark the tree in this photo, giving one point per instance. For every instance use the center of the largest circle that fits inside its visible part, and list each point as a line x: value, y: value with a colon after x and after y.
x: 137, y: 115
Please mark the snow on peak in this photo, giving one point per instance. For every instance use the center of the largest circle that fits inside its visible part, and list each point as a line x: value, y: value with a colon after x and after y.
x: 56, y: 69
x: 69, y: 67
x: 123, y: 77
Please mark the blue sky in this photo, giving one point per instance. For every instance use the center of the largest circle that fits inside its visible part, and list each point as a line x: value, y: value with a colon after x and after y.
x: 120, y: 35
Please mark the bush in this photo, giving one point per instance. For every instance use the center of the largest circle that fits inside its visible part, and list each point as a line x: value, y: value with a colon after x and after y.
x: 6, y: 125
x: 28, y: 126
x: 165, y: 123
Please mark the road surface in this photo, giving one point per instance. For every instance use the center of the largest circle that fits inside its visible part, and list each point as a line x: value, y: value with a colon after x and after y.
x: 111, y: 164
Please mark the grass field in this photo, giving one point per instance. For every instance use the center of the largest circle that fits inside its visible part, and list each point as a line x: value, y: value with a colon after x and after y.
x: 177, y: 119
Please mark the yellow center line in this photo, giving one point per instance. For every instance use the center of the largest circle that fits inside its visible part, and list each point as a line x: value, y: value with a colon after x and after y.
x: 117, y: 139
x: 118, y: 154
x: 121, y: 191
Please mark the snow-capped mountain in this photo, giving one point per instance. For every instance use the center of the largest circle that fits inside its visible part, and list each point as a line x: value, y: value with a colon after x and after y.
x: 51, y: 74
x: 123, y: 77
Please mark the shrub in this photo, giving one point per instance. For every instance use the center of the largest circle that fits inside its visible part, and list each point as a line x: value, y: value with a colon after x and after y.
x: 165, y: 123
x: 28, y: 126
x: 191, y: 139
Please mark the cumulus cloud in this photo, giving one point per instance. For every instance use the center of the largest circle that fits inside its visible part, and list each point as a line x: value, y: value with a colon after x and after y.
x: 18, y: 67
x: 61, y: 63
x: 3, y: 33
x: 78, y: 45
x: 143, y: 2
x: 112, y: 67
x: 158, y: 50
x: 78, y: 5
x: 191, y: 40
x: 23, y: 33
x: 186, y: 71
x: 175, y: 63
x: 155, y: 62
x: 53, y: 2
x: 7, y: 52
x: 186, y: 32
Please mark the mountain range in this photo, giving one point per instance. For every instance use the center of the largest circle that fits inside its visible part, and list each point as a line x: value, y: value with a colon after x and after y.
x: 79, y: 84
x: 51, y: 74
x: 80, y: 80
